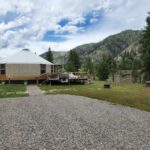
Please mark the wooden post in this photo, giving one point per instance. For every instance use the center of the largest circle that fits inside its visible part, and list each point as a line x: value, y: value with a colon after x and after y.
x: 37, y: 80
x: 68, y: 81
x: 9, y: 80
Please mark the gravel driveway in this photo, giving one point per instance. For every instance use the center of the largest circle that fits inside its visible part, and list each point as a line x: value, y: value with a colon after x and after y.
x: 64, y: 122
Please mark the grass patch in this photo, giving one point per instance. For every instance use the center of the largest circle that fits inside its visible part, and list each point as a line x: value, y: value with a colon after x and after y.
x: 133, y: 95
x: 7, y: 91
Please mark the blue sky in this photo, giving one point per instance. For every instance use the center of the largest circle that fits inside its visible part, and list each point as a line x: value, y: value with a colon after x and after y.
x: 90, y: 20
x: 65, y: 24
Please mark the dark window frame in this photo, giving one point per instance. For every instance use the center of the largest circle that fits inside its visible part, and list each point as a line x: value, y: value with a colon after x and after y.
x: 52, y: 68
x: 42, y: 68
x: 2, y: 69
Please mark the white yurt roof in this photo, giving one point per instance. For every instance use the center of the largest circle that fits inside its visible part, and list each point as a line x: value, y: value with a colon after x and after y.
x: 24, y: 57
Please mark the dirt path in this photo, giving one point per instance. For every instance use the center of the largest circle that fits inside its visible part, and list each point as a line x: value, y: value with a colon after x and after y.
x: 65, y: 122
x: 34, y: 90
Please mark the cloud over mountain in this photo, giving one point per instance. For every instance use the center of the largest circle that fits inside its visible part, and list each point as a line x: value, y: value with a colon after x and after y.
x: 37, y: 24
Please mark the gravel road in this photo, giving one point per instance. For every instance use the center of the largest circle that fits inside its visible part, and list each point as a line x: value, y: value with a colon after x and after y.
x: 64, y: 122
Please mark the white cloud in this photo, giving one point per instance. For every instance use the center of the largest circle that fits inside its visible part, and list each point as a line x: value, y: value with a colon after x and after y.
x: 14, y: 24
x: 36, y: 17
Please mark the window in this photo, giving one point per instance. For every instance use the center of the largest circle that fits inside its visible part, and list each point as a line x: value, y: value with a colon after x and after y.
x: 52, y: 69
x: 2, y: 69
x: 43, y: 68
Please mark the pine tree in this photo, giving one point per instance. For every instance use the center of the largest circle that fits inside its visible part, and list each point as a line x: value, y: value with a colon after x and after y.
x: 104, y: 68
x: 146, y: 49
x: 88, y: 65
x: 113, y: 68
x: 73, y: 62
x: 49, y: 55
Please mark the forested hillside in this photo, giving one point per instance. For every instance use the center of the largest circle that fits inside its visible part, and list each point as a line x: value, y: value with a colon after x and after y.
x: 117, y: 52
x: 113, y: 45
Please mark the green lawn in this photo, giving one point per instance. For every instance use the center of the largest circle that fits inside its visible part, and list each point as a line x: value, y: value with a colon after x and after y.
x: 12, y: 91
x: 133, y: 95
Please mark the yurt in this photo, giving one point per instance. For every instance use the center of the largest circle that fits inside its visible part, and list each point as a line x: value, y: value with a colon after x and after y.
x: 24, y: 66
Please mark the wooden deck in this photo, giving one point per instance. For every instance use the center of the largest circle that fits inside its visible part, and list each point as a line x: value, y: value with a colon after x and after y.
x: 60, y: 77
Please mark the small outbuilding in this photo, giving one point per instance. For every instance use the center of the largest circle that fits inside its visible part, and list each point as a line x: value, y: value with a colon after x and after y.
x: 24, y: 66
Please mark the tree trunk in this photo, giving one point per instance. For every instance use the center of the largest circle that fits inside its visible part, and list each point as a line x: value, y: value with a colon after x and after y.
x: 149, y: 75
x: 113, y: 77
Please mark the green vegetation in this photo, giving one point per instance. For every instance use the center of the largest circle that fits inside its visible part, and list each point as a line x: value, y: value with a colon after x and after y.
x: 49, y: 55
x: 113, y: 45
x: 87, y: 66
x: 146, y: 49
x: 133, y: 95
x: 130, y: 60
x: 59, y: 57
x: 12, y: 91
x: 129, y: 50
x: 73, y: 62
x: 124, y: 49
x: 105, y: 67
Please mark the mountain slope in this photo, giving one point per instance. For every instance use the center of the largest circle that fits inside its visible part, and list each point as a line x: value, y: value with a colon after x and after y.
x: 114, y: 45
x: 133, y: 49
x: 59, y: 56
